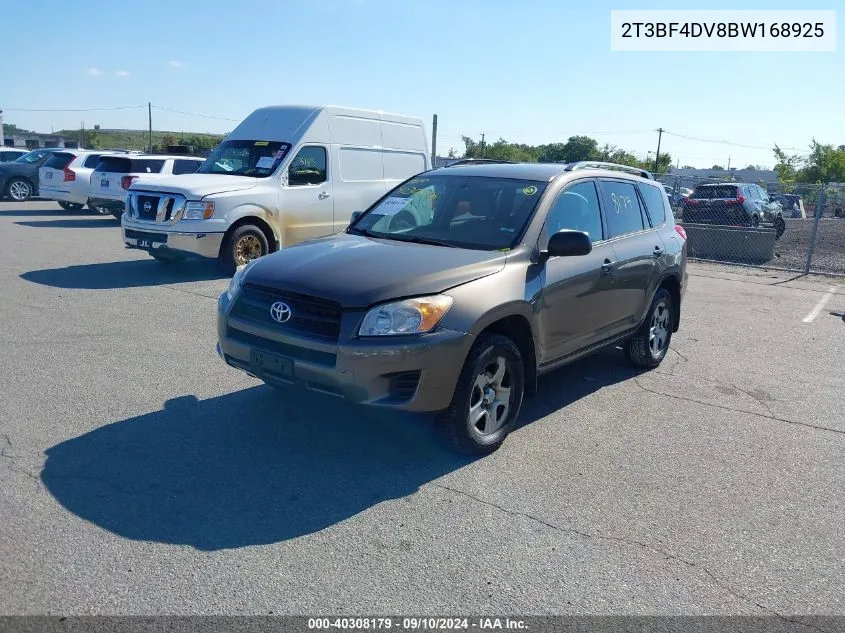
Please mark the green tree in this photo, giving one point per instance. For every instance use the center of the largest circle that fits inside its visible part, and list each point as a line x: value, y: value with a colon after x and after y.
x: 719, y: 167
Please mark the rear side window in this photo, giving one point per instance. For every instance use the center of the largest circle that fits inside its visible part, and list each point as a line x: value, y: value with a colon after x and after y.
x: 576, y: 208
x: 714, y: 192
x: 120, y: 165
x: 654, y: 204
x: 146, y: 166
x: 92, y: 161
x: 622, y: 208
x: 59, y: 160
x: 185, y: 166
x: 114, y: 165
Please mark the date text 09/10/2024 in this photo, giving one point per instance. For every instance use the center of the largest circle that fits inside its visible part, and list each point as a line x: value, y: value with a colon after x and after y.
x: 416, y: 624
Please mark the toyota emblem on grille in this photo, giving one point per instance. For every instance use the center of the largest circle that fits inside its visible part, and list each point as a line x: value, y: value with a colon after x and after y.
x: 147, y: 207
x: 280, y: 312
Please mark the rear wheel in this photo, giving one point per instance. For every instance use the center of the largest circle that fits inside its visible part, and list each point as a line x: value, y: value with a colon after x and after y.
x: 241, y: 246
x: 71, y: 206
x: 93, y: 207
x: 755, y: 220
x: 487, y: 397
x: 19, y: 189
x: 648, y: 347
x: 780, y: 227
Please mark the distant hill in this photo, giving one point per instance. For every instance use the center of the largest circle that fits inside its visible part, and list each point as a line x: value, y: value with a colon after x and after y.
x: 139, y: 139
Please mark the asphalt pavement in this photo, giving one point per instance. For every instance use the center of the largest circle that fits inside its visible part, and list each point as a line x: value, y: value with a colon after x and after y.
x: 141, y: 475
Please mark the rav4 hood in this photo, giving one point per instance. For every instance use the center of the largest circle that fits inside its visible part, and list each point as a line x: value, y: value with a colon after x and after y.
x: 196, y: 186
x: 358, y: 271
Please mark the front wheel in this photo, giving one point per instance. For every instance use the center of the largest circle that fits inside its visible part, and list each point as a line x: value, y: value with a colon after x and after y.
x: 780, y: 227
x: 70, y: 206
x: 648, y: 347
x: 487, y: 397
x: 241, y: 246
x: 755, y: 220
x: 19, y: 189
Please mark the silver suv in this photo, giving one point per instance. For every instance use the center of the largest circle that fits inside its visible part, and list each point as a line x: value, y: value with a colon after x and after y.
x: 455, y: 290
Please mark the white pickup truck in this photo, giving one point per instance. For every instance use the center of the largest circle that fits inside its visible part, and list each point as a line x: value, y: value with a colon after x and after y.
x: 284, y: 175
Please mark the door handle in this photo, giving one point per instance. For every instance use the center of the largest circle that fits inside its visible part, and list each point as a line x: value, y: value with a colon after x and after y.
x: 607, y: 266
x: 658, y: 251
x: 323, y: 195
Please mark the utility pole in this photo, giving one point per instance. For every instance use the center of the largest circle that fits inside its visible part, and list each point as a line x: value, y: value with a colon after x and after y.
x: 482, y: 145
x: 433, y: 140
x: 150, y: 116
x: 82, y: 137
x: 729, y: 163
x: 657, y: 155
x: 2, y: 132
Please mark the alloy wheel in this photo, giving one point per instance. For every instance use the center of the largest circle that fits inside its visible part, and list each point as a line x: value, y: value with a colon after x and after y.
x: 489, y: 403
x: 19, y: 190
x: 247, y: 249
x: 658, y: 333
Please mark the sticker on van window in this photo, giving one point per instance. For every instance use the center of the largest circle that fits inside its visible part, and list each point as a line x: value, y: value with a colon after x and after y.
x: 265, y: 162
x: 261, y: 143
x: 390, y: 206
x: 279, y: 154
x: 529, y: 191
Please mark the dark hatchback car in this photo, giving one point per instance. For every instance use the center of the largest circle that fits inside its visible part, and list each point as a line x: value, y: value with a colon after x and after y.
x: 19, y: 179
x: 458, y: 288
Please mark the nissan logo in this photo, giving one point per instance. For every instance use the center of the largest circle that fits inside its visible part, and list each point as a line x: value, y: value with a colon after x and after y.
x: 280, y: 312
x: 147, y: 207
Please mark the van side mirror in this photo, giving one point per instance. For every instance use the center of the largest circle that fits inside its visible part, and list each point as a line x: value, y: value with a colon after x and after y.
x: 355, y: 216
x: 568, y: 243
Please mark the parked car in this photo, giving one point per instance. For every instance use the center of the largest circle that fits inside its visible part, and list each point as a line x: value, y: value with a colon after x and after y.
x: 19, y: 179
x: 792, y: 204
x: 283, y: 175
x: 738, y: 204
x: 454, y: 291
x: 66, y: 178
x: 113, y: 176
x: 9, y: 154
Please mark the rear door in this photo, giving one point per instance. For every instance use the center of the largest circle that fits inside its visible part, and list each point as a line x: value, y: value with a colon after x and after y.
x: 637, y: 249
x: 52, y: 175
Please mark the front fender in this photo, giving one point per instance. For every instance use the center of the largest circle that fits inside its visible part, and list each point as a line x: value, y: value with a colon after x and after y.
x: 251, y: 210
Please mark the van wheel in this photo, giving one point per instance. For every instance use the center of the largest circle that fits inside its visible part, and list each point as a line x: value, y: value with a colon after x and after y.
x: 649, y: 345
x: 71, y: 206
x: 241, y: 246
x: 488, y: 396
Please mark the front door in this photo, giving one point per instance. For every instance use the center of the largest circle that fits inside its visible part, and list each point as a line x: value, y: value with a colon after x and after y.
x: 306, y: 205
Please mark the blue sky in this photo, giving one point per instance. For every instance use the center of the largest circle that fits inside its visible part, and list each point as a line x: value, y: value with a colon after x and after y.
x: 532, y: 71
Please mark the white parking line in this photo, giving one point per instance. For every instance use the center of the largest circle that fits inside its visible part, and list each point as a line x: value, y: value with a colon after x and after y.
x: 820, y: 305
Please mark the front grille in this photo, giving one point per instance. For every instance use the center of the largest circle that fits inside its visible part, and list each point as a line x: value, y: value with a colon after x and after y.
x: 310, y: 316
x: 146, y: 235
x: 291, y: 351
x: 143, y: 212
x: 404, y: 385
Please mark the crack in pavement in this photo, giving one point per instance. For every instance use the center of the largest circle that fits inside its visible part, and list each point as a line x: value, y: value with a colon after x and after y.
x: 13, y: 460
x: 669, y: 556
x: 736, y: 410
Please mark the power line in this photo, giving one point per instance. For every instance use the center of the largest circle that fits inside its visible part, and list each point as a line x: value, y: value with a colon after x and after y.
x: 203, y: 116
x: 732, y: 144
x: 73, y: 109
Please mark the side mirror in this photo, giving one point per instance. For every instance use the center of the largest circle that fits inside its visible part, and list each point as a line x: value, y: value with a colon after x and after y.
x: 355, y: 216
x: 568, y: 243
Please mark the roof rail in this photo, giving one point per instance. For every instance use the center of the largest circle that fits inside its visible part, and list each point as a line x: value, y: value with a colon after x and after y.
x: 478, y: 161
x: 591, y: 164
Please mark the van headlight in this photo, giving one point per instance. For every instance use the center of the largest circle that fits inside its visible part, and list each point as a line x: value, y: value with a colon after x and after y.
x: 410, y: 316
x: 198, y: 210
x: 237, y: 279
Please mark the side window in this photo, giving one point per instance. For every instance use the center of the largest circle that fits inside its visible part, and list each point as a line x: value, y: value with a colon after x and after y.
x: 308, y: 167
x: 654, y: 204
x: 622, y: 208
x: 576, y: 208
x: 185, y: 166
x: 92, y: 161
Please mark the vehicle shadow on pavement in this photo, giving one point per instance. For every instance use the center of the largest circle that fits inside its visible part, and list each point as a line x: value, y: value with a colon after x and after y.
x: 259, y: 466
x: 125, y: 274
x: 35, y: 213
x: 99, y: 221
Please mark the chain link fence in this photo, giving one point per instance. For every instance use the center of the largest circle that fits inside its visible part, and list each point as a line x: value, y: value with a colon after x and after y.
x: 789, y: 227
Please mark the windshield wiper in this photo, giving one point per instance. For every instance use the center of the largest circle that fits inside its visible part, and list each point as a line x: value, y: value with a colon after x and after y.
x: 415, y: 239
x: 356, y: 231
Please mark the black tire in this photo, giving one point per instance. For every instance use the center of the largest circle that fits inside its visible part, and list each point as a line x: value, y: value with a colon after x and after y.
x: 755, y: 220
x: 638, y: 349
x: 485, y: 352
x: 70, y: 206
x: 780, y: 227
x: 233, y: 255
x: 19, y: 190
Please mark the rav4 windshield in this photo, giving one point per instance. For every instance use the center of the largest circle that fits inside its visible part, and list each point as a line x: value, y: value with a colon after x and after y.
x: 469, y: 212
x: 257, y: 159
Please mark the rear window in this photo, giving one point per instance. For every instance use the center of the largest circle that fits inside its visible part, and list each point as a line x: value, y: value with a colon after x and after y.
x: 59, y: 160
x: 714, y: 192
x: 92, y: 161
x: 182, y: 166
x: 654, y: 204
x: 121, y: 165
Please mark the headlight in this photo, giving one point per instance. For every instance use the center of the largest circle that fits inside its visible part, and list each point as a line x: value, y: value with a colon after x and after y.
x: 237, y: 280
x: 198, y: 210
x: 411, y: 316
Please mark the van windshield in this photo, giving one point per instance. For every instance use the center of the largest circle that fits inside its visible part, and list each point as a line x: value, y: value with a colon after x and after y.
x: 468, y: 212
x: 257, y: 159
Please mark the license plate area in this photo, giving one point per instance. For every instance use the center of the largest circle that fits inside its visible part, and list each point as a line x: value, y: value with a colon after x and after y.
x: 48, y: 175
x: 104, y: 183
x: 266, y: 363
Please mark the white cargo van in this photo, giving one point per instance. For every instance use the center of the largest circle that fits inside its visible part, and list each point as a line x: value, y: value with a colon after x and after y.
x: 284, y: 175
